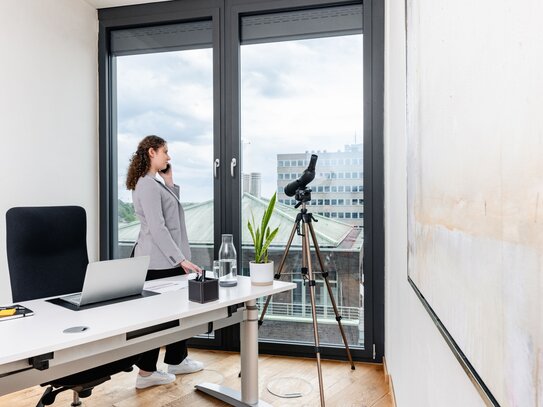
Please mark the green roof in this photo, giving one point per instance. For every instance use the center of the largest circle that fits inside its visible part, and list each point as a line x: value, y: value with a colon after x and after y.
x: 199, y: 218
x: 330, y: 233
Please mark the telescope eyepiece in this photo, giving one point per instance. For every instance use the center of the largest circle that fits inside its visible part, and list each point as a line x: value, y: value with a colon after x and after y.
x: 312, y: 163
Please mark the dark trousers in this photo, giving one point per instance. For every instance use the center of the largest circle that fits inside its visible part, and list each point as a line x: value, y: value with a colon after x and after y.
x: 175, y: 352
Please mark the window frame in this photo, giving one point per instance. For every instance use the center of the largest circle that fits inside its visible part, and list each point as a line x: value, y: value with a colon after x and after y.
x: 226, y: 16
x: 139, y: 16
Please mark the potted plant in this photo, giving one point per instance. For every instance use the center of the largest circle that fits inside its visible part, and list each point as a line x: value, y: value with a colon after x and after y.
x: 261, y: 270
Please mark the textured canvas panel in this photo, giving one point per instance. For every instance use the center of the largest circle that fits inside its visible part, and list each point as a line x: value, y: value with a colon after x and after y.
x: 475, y: 183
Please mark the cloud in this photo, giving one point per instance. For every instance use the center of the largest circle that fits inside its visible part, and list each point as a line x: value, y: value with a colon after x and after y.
x: 296, y: 96
x: 168, y: 94
x: 318, y: 103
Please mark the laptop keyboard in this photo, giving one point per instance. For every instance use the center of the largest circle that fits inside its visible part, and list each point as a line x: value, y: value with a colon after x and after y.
x: 72, y: 298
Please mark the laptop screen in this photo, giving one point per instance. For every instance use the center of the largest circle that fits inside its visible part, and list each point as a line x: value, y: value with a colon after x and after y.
x: 110, y: 279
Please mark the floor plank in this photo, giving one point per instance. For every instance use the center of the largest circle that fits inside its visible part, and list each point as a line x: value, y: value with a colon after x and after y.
x: 363, y: 387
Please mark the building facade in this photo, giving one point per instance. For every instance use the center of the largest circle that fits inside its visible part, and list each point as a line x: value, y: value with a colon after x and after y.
x: 338, y: 188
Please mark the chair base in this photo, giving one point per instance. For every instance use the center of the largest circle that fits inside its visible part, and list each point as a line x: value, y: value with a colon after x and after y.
x: 80, y: 391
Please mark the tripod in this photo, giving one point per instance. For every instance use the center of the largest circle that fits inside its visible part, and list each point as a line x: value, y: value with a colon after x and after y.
x: 304, y: 228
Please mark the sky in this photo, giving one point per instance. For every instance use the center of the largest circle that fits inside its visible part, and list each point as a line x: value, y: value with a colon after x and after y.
x: 295, y: 96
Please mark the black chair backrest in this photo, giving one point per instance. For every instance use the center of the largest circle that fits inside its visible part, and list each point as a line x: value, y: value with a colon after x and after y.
x: 47, y: 250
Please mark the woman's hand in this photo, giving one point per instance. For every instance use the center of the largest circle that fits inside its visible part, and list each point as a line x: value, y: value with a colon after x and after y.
x: 190, y: 267
x: 167, y: 176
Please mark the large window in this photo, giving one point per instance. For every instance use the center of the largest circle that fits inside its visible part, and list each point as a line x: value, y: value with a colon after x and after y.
x: 163, y: 85
x: 294, y: 104
x: 169, y: 94
x: 244, y: 92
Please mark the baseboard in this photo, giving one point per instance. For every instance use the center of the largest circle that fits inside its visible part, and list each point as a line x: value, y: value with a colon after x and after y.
x: 385, y: 368
x: 388, y: 379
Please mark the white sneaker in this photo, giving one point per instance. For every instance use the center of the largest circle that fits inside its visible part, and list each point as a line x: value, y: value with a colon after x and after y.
x: 154, y: 379
x: 186, y: 366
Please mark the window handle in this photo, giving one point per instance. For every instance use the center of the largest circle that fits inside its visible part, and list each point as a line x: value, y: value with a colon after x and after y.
x: 216, y: 165
x: 232, y: 166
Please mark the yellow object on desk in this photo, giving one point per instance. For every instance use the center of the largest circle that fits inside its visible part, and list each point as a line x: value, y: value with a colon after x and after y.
x: 7, y: 312
x: 13, y: 311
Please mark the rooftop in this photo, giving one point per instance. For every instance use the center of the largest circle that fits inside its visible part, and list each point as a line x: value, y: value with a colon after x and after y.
x: 330, y: 233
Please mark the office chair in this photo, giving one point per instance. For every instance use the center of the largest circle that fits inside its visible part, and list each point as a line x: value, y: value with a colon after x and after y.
x: 47, y: 256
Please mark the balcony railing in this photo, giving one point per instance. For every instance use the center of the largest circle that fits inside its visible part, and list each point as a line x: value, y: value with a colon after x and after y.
x: 302, y: 312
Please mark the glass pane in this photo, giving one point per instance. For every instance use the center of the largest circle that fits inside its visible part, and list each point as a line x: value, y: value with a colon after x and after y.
x: 169, y: 94
x: 304, y: 97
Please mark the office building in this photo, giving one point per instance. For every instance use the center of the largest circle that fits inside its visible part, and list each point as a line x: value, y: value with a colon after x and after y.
x: 252, y: 183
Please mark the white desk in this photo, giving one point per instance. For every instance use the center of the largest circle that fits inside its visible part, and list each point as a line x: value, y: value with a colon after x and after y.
x: 121, y: 330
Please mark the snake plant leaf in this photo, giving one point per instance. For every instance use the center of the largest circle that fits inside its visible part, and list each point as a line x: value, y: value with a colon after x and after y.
x: 262, y: 235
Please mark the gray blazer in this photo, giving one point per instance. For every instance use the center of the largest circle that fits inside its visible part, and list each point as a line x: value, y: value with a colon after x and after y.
x: 163, y: 233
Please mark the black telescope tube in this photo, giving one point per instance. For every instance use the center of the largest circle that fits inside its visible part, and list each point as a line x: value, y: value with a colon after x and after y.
x: 307, y: 176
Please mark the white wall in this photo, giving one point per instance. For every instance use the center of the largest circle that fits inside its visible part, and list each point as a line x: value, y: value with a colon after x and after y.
x: 48, y: 111
x: 423, y: 369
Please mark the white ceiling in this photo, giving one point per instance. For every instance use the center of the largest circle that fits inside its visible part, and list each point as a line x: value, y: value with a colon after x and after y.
x: 115, y: 3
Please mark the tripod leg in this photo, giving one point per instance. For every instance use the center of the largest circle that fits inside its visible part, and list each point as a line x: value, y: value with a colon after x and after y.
x: 287, y: 248
x: 279, y: 270
x: 306, y: 262
x: 330, y: 294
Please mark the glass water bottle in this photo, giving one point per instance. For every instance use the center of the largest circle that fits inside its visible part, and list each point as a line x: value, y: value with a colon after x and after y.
x: 228, y: 268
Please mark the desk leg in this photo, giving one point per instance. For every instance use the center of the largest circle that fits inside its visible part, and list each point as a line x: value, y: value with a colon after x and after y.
x: 249, y: 354
x: 249, y: 366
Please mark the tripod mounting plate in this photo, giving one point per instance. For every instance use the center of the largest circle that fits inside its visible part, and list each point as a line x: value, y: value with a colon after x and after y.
x: 303, y: 195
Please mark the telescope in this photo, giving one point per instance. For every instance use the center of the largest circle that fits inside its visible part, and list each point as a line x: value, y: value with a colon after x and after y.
x: 303, y: 226
x: 307, y: 176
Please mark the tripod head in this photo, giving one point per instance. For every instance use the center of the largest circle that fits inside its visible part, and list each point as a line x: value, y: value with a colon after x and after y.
x: 304, y: 216
x: 303, y: 195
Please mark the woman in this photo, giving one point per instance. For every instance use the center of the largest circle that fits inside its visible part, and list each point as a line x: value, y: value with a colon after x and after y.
x: 163, y: 236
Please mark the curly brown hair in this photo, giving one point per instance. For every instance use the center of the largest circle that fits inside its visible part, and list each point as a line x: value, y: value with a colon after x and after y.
x: 140, y: 161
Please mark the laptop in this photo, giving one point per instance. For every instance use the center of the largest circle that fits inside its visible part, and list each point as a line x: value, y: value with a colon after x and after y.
x: 111, y: 279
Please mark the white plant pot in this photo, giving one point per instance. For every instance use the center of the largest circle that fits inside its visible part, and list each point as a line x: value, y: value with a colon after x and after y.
x: 261, y: 273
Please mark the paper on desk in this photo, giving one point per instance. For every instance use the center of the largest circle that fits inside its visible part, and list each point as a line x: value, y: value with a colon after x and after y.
x: 165, y: 286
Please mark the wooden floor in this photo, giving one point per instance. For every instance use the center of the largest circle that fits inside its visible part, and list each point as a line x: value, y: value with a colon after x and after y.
x: 363, y: 387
